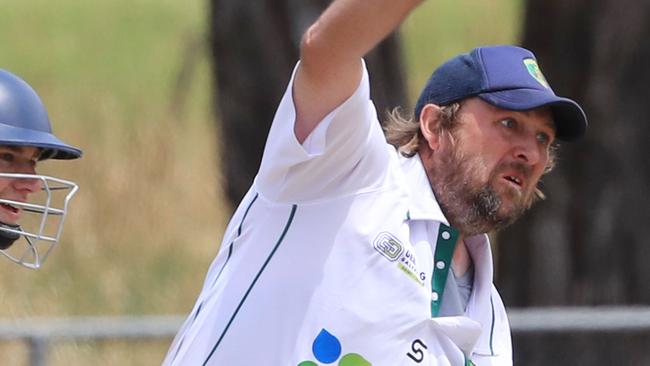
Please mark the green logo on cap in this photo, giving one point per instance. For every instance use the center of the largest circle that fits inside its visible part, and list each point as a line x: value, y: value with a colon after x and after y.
x: 534, y: 71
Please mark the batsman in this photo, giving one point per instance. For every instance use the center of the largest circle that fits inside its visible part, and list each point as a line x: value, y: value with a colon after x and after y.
x: 33, y: 206
x: 362, y: 246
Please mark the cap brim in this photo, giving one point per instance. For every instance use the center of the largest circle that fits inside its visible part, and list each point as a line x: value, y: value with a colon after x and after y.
x: 54, y: 148
x: 570, y: 120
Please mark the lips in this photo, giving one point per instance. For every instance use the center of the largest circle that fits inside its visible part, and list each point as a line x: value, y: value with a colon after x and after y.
x: 514, y: 180
x: 9, y: 207
x: 9, y: 213
x: 516, y: 175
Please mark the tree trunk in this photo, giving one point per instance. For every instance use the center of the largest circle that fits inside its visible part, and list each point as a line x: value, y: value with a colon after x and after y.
x: 587, y: 243
x: 255, y: 47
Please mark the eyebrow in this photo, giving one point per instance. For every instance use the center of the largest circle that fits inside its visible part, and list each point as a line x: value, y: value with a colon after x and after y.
x: 550, y: 123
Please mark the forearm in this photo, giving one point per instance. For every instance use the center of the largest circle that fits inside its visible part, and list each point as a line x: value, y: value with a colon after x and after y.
x: 331, y: 50
x: 348, y: 29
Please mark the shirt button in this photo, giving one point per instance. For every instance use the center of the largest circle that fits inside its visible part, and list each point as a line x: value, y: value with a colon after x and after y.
x: 440, y: 265
x: 434, y: 296
x: 445, y: 235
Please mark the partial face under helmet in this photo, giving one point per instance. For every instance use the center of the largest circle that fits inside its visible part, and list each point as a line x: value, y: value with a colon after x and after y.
x: 24, y: 122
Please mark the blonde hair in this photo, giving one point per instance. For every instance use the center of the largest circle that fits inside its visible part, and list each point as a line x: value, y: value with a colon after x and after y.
x: 403, y: 131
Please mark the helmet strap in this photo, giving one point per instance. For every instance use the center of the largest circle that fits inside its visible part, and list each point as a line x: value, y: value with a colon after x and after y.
x: 7, y: 238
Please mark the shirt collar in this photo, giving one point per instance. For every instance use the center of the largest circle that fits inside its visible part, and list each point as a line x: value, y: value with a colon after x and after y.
x: 422, y: 201
x: 424, y: 206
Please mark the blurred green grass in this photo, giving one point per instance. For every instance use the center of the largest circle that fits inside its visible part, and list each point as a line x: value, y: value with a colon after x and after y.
x: 149, y: 215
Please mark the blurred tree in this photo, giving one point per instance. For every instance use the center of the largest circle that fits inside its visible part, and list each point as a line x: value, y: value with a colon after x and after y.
x: 587, y: 243
x: 255, y: 47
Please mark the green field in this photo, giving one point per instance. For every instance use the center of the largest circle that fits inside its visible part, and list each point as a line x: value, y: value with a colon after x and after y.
x: 147, y: 220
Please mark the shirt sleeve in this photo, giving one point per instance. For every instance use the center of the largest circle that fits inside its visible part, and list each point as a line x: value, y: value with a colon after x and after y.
x: 346, y: 153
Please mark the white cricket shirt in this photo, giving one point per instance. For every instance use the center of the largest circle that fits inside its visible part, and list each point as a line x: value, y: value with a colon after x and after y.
x: 338, y: 255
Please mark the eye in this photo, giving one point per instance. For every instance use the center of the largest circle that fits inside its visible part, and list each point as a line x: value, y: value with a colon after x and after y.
x: 7, y: 157
x: 508, y: 123
x: 543, y: 138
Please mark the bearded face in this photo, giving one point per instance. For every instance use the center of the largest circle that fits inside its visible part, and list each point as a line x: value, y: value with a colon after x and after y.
x: 468, y: 193
x: 484, y: 171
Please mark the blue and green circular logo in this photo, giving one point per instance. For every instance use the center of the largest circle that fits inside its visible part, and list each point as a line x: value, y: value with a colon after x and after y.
x: 327, y: 350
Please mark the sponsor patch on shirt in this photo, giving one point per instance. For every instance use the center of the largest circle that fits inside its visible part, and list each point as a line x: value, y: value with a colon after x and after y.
x: 388, y: 246
x: 392, y: 249
x: 327, y: 349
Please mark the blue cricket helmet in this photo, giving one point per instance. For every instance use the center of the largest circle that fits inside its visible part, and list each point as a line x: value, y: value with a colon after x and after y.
x: 24, y: 120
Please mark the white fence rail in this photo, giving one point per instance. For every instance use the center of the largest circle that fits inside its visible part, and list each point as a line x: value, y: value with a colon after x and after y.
x: 40, y: 333
x: 580, y: 319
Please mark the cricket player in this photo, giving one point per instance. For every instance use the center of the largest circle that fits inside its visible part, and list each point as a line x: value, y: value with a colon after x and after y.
x: 32, y: 206
x: 359, y: 247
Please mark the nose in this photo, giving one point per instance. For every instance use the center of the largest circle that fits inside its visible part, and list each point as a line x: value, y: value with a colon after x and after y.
x: 527, y: 150
x: 28, y: 185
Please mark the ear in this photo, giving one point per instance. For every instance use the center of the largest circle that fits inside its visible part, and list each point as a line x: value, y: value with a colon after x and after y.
x: 429, y: 125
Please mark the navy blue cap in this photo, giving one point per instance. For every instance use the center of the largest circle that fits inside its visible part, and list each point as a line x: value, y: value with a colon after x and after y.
x: 507, y: 77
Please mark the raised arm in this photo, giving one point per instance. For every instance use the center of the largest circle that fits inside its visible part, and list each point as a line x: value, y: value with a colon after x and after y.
x: 331, y: 52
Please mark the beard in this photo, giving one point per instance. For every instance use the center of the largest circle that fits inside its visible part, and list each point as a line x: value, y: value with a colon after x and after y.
x: 469, y: 196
